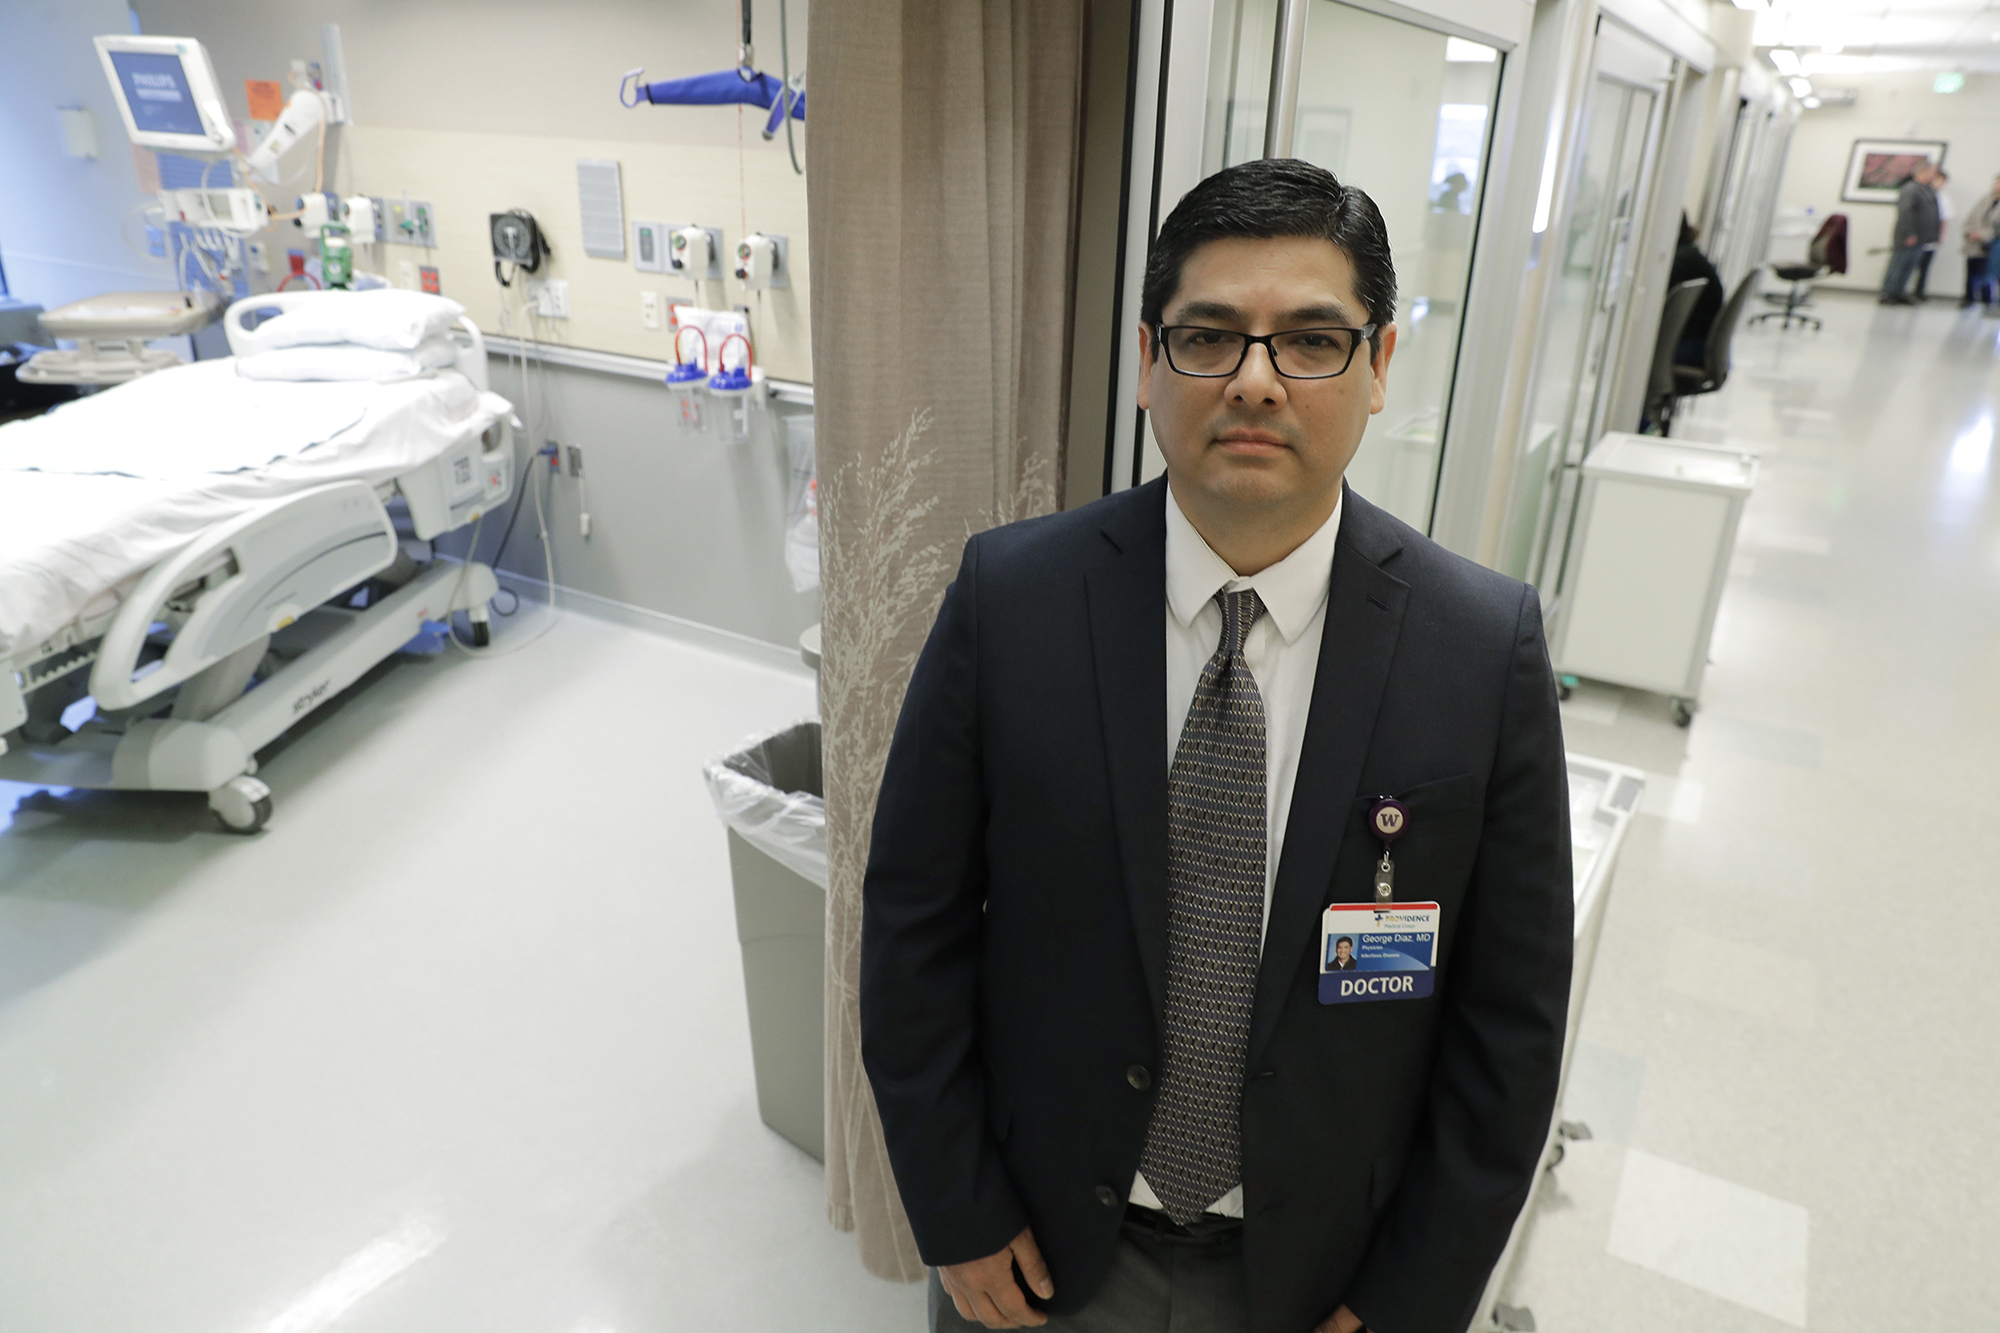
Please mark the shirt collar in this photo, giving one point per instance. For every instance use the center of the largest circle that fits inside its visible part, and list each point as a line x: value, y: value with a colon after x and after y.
x: 1292, y: 590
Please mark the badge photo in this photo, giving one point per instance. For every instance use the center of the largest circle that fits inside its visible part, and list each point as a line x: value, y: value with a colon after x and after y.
x: 1370, y: 951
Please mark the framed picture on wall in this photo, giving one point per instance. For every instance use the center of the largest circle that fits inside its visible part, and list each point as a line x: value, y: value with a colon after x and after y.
x: 1877, y: 168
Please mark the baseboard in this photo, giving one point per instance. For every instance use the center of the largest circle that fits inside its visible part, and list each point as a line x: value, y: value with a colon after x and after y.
x: 678, y: 628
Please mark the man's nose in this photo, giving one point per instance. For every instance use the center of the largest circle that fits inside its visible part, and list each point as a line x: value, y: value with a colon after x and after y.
x: 1257, y: 379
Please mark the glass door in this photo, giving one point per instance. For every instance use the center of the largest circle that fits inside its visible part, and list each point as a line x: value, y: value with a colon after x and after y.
x: 1405, y: 113
x: 1594, y: 257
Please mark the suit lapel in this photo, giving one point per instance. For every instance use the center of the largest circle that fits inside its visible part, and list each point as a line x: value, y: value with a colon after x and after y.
x: 1127, y: 597
x: 1364, y: 617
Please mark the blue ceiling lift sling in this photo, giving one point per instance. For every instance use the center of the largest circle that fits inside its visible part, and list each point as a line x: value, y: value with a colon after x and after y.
x: 744, y: 84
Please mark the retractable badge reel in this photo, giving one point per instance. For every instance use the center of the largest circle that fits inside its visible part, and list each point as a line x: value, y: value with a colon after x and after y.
x: 1388, y: 819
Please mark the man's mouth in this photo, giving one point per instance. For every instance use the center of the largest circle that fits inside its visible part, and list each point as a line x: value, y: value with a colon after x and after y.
x: 1252, y: 441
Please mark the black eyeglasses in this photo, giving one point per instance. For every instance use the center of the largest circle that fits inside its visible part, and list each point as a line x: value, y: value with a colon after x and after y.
x: 1297, y: 354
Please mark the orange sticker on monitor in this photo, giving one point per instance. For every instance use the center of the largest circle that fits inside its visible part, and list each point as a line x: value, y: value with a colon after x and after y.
x: 266, y: 97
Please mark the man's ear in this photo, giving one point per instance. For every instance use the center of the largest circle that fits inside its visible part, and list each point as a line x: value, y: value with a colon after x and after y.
x: 1147, y: 350
x: 1378, y: 368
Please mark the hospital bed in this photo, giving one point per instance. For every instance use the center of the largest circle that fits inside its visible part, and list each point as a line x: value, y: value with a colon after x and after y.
x: 156, y: 536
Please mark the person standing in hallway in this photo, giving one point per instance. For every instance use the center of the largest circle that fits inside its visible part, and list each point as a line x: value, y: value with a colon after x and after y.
x: 1149, y: 744
x: 1939, y: 179
x: 1982, y: 226
x: 1916, y: 227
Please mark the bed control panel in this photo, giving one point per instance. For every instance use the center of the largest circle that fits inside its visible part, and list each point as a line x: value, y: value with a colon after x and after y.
x: 465, y: 481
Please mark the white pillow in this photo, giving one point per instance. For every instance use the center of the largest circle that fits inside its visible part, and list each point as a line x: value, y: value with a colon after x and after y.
x: 347, y: 363
x: 390, y: 319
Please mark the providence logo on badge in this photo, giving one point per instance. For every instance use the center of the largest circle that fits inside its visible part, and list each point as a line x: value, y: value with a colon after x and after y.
x: 1377, y: 953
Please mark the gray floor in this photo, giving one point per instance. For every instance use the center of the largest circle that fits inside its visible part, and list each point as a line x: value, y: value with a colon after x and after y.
x: 459, y: 1043
x: 1790, y: 1057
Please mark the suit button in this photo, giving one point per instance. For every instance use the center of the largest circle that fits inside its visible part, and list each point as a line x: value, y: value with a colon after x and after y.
x: 1139, y: 1077
x: 1107, y: 1196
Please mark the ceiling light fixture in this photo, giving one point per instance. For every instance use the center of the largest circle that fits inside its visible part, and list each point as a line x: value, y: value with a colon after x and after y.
x: 1786, y: 59
x: 1809, y: 103
x: 1800, y: 87
x: 1948, y: 82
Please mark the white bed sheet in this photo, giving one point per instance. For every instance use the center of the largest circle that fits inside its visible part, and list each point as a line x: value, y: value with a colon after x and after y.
x: 89, y: 500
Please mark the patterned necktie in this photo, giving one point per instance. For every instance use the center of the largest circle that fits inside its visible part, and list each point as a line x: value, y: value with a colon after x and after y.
x: 1215, y: 919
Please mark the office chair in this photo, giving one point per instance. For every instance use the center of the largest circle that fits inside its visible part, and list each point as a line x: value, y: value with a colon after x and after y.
x: 1713, y: 372
x: 1674, y: 314
x: 1820, y: 258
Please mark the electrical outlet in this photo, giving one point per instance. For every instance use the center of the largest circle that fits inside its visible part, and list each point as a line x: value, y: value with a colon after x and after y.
x: 575, y: 459
x: 649, y: 309
x: 551, y: 297
x: 406, y: 274
x: 410, y: 222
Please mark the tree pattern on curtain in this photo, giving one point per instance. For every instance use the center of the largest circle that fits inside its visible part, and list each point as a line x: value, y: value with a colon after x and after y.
x: 940, y: 181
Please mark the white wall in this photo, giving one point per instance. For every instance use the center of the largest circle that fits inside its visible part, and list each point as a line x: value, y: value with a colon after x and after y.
x: 1891, y: 106
x: 60, y: 217
x: 480, y: 107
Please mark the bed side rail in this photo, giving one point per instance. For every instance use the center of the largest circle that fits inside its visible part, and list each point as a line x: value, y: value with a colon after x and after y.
x: 13, y: 704
x: 241, y: 580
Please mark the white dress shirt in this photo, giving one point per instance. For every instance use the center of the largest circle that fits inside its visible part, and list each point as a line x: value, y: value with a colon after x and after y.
x: 1283, y: 652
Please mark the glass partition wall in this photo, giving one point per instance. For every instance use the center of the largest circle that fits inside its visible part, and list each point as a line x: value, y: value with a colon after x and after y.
x: 1406, y: 114
x: 1592, y: 255
x: 1593, y: 252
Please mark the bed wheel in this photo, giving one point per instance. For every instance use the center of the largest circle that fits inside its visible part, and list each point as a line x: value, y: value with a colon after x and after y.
x: 482, y: 633
x: 243, y: 804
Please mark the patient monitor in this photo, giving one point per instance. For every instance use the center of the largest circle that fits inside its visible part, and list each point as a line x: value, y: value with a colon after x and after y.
x: 167, y: 93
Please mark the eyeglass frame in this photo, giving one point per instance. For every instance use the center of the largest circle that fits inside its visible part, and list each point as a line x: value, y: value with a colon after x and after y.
x: 1365, y: 334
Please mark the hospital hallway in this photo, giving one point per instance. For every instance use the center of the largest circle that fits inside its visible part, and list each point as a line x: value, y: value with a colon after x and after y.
x: 459, y: 1042
x: 1788, y: 1061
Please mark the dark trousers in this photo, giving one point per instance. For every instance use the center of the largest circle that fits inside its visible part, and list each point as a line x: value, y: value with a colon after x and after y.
x: 1160, y: 1282
x: 1978, y: 280
x: 1903, y: 262
x: 1924, y: 271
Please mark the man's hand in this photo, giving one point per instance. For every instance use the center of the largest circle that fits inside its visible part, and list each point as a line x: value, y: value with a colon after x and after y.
x: 985, y: 1290
x: 1342, y: 1320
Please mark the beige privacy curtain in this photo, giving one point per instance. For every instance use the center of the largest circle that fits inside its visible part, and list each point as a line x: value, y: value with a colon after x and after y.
x: 940, y: 183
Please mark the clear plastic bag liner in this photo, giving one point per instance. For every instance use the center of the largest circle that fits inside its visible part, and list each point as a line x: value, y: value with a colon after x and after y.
x: 770, y: 791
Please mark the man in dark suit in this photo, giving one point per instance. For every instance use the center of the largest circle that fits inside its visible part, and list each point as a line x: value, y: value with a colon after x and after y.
x: 1132, y: 772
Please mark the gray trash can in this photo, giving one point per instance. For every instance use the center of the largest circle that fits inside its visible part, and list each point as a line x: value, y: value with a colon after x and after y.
x: 771, y: 796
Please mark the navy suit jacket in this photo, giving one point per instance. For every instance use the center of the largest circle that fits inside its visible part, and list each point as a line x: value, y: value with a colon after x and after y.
x: 1014, y: 936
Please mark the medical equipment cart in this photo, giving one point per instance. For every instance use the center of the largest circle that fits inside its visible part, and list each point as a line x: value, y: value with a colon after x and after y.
x: 1603, y: 797
x: 1656, y: 528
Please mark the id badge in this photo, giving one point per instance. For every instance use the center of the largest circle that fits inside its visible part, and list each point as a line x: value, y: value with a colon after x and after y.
x: 1371, y: 952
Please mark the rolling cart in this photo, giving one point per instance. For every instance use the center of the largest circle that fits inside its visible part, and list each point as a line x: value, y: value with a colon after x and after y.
x: 1656, y: 528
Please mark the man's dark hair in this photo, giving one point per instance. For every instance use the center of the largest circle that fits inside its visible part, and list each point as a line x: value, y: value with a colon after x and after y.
x: 1345, y: 939
x: 1268, y: 198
